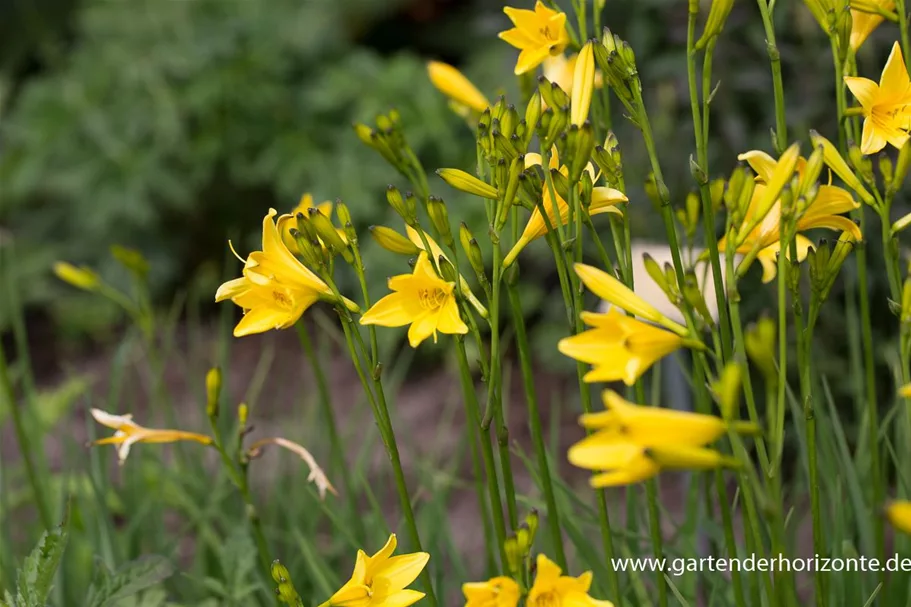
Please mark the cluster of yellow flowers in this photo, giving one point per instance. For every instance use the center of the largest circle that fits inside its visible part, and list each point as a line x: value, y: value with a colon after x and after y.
x: 770, y: 206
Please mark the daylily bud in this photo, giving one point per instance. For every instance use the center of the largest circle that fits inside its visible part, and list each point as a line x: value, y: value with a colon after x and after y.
x: 436, y: 208
x: 693, y: 206
x: 327, y: 233
x: 811, y: 171
x: 341, y: 210
x: 727, y: 390
x: 694, y: 297
x: 838, y: 165
x: 581, y: 150
x: 531, y: 520
x: 583, y: 84
x: 901, y: 168
x: 716, y: 191
x: 554, y: 96
x: 132, y: 260
x: 397, y: 202
x: 523, y: 539
x: 501, y: 173
x: 759, y: 343
x: 714, y: 23
x: 513, y: 555
x: 243, y: 412
x: 509, y: 121
x: 447, y: 271
x: 285, y: 591
x: 392, y: 241
x: 561, y: 183
x: 886, y: 169
x: 906, y: 302
x: 588, y: 187
x: 862, y: 165
x: 213, y: 392
x: 473, y: 251
x: 532, y: 115
x: 466, y: 182
x: 697, y: 172
x: 509, y: 195
x: 901, y: 223
x: 81, y: 277
x: 654, y: 270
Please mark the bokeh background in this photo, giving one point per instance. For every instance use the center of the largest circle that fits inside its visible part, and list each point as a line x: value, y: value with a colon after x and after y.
x: 172, y: 126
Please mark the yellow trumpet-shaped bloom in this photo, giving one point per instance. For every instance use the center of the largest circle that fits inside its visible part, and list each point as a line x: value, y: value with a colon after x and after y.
x: 538, y: 34
x: 886, y: 106
x: 825, y: 211
x: 421, y: 299
x: 500, y: 591
x: 619, y: 347
x: 604, y: 200
x: 415, y: 237
x: 553, y: 589
x: 128, y: 433
x: 276, y: 288
x: 381, y: 580
x: 452, y: 83
x: 633, y: 443
x: 655, y: 426
x: 863, y: 23
x: 899, y: 515
x: 616, y: 293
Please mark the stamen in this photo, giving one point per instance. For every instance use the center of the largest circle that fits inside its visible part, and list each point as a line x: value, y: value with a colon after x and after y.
x: 231, y: 246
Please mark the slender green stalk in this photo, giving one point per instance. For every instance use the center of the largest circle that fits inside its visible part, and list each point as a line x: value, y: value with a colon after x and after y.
x: 335, y: 443
x: 25, y: 447
x: 537, y: 434
x: 381, y: 413
x: 654, y: 518
x: 473, y: 414
x: 781, y: 127
x: 700, y: 130
x: 494, y: 396
x: 237, y: 472
x: 903, y: 29
x: 804, y: 362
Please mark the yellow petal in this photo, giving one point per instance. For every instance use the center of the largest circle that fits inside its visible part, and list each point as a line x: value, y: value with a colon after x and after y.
x: 761, y: 163
x: 862, y: 25
x: 686, y: 457
x: 548, y: 572
x: 603, y: 452
x: 400, y: 571
x: 894, y: 83
x: 393, y: 310
x: 116, y: 422
x: 640, y: 469
x: 232, y: 289
x: 593, y: 347
x: 872, y: 139
x: 423, y: 327
x: 833, y: 222
x: 655, y: 426
x: 403, y: 598
x: 605, y: 198
x: 260, y: 320
x: 864, y: 90
x: 449, y: 320
x: 531, y: 58
x: 517, y: 38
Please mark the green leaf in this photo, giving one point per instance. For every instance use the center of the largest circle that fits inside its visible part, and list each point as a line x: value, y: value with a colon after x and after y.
x: 130, y: 579
x: 35, y: 578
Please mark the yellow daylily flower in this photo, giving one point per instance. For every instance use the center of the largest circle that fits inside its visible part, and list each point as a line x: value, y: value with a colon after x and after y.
x: 276, y: 288
x: 553, y: 589
x: 616, y: 293
x: 380, y: 580
x: 437, y: 252
x: 500, y: 591
x: 560, y: 69
x: 421, y: 299
x: 618, y: 461
x: 538, y: 34
x: 825, y: 211
x: 657, y: 427
x: 619, y: 347
x: 583, y: 85
x: 604, y: 200
x: 129, y: 433
x: 863, y: 23
x: 886, y: 106
x: 452, y: 83
x: 899, y: 514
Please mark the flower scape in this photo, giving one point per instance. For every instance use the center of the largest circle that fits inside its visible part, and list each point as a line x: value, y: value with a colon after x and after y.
x: 736, y: 459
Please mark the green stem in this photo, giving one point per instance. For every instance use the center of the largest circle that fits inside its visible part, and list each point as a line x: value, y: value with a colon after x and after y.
x: 654, y: 518
x: 494, y: 396
x: 903, y: 28
x: 335, y: 443
x: 24, y: 445
x: 781, y: 127
x: 473, y: 413
x: 700, y: 130
x: 537, y: 434
x: 381, y: 413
